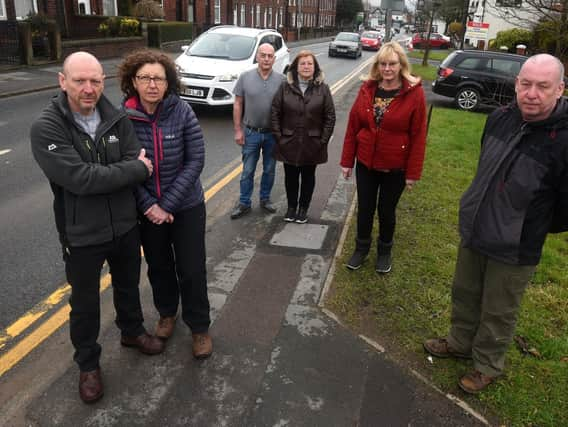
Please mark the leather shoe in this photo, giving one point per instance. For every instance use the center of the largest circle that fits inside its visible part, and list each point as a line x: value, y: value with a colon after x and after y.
x: 239, y: 211
x: 90, y: 386
x: 474, y: 382
x: 165, y: 327
x: 145, y: 343
x: 202, y: 345
x: 439, y: 347
x: 268, y: 206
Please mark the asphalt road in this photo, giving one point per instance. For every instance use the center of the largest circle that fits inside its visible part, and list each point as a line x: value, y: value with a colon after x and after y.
x: 31, y: 266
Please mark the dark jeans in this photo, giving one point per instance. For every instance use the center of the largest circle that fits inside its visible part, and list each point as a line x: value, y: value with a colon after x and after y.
x: 83, y: 268
x: 175, y: 254
x: 292, y: 182
x: 387, y: 187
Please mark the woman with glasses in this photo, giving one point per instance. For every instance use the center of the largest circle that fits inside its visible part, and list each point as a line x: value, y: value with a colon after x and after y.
x: 303, y: 117
x: 171, y: 202
x: 386, y: 136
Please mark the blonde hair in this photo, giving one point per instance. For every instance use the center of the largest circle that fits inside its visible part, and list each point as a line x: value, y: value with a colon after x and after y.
x: 387, y: 51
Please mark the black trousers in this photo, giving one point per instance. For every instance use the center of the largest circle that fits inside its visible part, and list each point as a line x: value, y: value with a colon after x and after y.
x: 379, y: 191
x: 83, y: 268
x: 292, y: 176
x: 175, y: 254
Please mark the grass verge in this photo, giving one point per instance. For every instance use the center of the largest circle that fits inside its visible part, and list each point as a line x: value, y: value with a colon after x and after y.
x: 427, y: 73
x: 437, y: 55
x: 412, y: 303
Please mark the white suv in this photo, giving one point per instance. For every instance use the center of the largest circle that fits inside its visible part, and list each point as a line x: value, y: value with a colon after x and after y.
x: 210, y: 66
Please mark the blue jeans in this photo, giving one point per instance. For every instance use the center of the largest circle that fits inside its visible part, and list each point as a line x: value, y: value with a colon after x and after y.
x: 256, y: 142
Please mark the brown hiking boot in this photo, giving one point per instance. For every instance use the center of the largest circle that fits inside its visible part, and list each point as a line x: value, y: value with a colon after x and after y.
x: 202, y: 345
x: 474, y: 382
x: 439, y: 347
x: 165, y: 327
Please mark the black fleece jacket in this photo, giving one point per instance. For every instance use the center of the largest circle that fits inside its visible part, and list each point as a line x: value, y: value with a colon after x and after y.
x: 520, y: 190
x: 92, y: 180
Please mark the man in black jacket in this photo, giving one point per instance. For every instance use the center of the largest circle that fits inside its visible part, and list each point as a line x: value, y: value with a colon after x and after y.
x: 518, y: 195
x: 89, y: 152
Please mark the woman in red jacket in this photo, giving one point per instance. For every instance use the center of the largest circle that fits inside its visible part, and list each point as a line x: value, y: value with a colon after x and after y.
x: 386, y: 133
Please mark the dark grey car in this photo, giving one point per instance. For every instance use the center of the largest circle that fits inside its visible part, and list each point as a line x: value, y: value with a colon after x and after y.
x: 346, y: 44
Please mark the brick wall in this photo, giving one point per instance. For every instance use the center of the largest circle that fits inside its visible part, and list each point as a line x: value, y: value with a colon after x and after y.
x: 104, y: 48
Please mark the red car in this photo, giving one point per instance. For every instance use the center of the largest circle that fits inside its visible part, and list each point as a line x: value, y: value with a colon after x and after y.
x: 371, y: 40
x: 437, y: 41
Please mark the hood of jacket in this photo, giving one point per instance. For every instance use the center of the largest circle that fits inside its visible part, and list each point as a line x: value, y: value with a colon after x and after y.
x: 135, y: 109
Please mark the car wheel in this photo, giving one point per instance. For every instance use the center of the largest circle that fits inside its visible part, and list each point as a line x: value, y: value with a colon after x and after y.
x: 468, y: 99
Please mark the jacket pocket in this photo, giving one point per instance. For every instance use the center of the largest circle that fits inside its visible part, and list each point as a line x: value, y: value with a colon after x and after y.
x: 287, y: 136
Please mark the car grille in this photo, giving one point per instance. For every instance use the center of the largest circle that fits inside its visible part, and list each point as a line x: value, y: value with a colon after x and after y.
x: 197, y: 76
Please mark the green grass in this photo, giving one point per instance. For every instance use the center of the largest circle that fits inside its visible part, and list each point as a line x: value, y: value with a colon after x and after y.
x: 427, y: 73
x: 412, y: 303
x: 437, y: 55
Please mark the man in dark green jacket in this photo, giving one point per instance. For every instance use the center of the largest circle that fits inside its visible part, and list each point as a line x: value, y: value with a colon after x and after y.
x: 518, y: 195
x: 89, y: 152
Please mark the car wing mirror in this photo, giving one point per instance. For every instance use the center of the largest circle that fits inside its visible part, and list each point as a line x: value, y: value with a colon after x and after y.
x: 184, y: 48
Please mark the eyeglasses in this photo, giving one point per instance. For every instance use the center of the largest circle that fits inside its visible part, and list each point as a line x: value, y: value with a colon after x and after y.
x: 145, y: 80
x: 388, y: 64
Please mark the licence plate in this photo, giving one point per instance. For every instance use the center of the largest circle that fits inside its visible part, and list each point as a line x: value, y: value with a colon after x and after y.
x: 193, y: 92
x: 342, y: 50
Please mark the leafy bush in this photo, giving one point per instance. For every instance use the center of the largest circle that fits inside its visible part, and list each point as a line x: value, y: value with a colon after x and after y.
x: 148, y: 9
x: 511, y: 38
x: 39, y: 23
x: 456, y: 29
x: 162, y: 32
x: 117, y: 26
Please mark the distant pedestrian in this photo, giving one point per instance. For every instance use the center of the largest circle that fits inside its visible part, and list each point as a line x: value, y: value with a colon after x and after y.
x: 89, y: 152
x: 386, y: 135
x: 518, y: 195
x: 303, y: 118
x: 251, y: 119
x: 171, y: 204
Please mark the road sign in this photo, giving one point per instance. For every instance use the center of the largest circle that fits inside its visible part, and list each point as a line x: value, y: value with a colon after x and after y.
x: 477, y: 30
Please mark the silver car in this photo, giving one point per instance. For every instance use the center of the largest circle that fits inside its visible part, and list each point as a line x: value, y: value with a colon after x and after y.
x: 346, y: 44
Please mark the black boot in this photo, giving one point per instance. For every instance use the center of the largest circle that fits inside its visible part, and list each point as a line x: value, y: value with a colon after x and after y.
x: 362, y: 247
x: 383, y: 257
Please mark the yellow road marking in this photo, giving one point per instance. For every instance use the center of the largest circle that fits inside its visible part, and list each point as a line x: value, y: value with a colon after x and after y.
x: 55, y: 321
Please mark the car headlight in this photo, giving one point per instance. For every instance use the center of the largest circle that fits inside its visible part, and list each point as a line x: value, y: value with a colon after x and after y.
x: 228, y: 77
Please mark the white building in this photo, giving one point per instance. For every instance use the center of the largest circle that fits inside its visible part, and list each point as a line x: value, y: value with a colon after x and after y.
x: 491, y: 12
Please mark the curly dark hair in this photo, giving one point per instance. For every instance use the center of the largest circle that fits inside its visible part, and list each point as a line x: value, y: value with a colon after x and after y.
x: 293, y: 68
x: 137, y: 59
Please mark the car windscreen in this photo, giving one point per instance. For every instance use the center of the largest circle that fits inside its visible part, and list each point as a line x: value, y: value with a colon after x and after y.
x: 370, y: 35
x: 226, y: 46
x: 344, y: 37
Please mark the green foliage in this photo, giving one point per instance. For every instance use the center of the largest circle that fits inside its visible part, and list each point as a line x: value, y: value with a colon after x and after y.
x: 148, y: 9
x: 413, y: 302
x: 40, y: 23
x: 551, y: 37
x: 162, y: 32
x: 511, y: 38
x: 346, y: 11
x: 120, y: 26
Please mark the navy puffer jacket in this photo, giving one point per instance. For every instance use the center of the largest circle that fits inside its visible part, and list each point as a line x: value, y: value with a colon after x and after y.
x: 173, y: 141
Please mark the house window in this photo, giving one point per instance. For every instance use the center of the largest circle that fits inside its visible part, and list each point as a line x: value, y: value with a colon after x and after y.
x: 217, y: 11
x: 84, y: 7
x: 251, y: 15
x: 235, y: 15
x: 258, y: 15
x: 270, y: 17
x: 2, y: 10
x: 24, y: 8
x: 109, y: 7
x: 243, y: 21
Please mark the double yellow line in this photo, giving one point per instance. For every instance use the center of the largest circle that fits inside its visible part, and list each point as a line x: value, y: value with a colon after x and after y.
x: 55, y: 321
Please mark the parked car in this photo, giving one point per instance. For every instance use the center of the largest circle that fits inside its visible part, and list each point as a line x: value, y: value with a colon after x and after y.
x: 346, y: 44
x: 437, y: 41
x: 210, y: 66
x: 371, y: 40
x: 475, y: 77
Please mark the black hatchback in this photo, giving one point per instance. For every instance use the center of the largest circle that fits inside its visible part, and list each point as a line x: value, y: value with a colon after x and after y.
x: 475, y: 77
